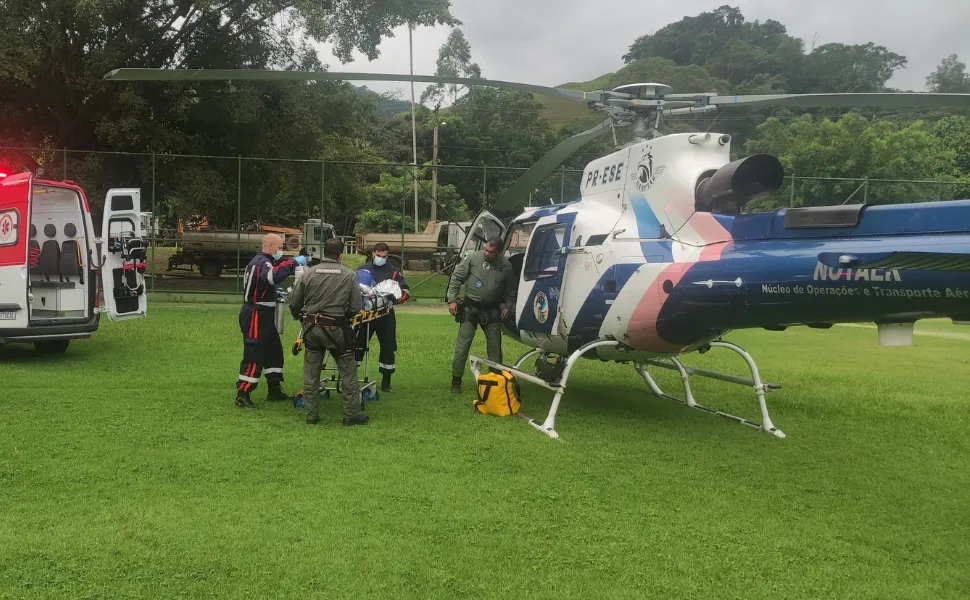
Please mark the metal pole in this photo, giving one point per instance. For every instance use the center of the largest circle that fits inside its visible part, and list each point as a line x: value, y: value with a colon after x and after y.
x: 562, y: 185
x: 791, y: 201
x: 403, y: 217
x: 152, y: 229
x: 865, y: 191
x: 414, y: 136
x: 65, y: 171
x: 323, y: 191
x: 434, y: 173
x: 484, y: 182
x: 238, y: 219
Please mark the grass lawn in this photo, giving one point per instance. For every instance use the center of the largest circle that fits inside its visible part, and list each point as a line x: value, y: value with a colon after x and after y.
x: 148, y: 482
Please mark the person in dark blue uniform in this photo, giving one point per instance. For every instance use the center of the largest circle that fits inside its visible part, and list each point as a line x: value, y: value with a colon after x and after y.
x: 262, y: 349
x: 372, y: 273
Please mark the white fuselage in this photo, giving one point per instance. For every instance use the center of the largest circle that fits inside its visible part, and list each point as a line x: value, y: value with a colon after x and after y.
x: 634, y: 229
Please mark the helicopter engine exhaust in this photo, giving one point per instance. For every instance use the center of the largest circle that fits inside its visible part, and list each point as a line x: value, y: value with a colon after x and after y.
x: 729, y: 188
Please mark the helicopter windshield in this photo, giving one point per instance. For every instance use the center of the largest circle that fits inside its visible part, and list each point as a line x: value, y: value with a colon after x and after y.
x: 544, y: 256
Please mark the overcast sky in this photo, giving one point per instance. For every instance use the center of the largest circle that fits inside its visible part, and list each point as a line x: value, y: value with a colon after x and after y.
x: 551, y: 42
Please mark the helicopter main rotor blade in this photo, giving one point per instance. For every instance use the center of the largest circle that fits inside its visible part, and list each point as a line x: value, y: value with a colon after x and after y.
x: 544, y: 167
x: 847, y: 100
x: 273, y: 75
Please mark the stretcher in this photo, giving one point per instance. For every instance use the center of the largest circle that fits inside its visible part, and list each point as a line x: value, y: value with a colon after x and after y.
x: 375, y: 305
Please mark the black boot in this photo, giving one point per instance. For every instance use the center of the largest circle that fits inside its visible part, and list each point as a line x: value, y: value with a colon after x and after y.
x: 360, y: 419
x: 243, y: 400
x: 386, y: 383
x: 276, y: 393
x: 455, y: 385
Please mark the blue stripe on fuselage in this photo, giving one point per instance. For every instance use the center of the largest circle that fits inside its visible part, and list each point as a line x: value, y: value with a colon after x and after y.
x: 590, y: 317
x: 648, y: 227
x: 951, y: 216
x: 782, y: 283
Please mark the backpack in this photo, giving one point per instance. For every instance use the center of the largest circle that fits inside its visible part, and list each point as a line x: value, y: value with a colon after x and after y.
x: 498, y: 394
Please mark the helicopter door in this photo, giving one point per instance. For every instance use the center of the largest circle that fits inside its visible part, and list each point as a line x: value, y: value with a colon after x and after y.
x: 14, y: 243
x: 542, y: 277
x: 123, y: 256
x: 485, y: 225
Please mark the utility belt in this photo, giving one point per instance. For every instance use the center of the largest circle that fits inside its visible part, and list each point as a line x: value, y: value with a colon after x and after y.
x: 327, y: 323
x: 322, y: 320
x: 477, y: 313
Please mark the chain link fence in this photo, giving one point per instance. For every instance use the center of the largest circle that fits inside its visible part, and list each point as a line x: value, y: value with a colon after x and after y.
x: 205, y: 215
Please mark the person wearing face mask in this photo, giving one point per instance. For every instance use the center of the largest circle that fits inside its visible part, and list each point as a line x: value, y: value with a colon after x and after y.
x: 378, y: 270
x: 262, y: 349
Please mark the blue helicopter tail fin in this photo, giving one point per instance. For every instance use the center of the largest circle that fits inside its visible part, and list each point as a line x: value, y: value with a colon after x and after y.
x: 921, y: 261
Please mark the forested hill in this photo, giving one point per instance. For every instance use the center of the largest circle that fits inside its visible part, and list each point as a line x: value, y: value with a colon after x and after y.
x: 386, y: 107
x: 54, y: 54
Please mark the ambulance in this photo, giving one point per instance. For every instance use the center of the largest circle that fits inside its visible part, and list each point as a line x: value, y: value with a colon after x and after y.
x: 52, y: 261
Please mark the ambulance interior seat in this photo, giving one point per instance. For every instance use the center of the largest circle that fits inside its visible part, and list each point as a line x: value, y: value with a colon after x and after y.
x: 70, y: 255
x: 33, y: 248
x: 49, y: 261
x: 50, y: 254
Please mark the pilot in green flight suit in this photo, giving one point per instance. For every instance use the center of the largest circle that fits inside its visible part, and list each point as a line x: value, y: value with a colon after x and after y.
x: 489, y: 294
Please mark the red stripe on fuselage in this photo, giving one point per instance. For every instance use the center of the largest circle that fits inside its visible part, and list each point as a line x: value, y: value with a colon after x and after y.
x: 642, y: 329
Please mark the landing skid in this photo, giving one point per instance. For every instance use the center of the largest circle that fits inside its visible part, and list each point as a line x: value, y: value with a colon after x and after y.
x: 760, y: 388
x: 548, y: 426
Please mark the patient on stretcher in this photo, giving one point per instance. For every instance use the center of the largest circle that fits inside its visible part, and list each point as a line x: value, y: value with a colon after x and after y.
x: 383, y: 294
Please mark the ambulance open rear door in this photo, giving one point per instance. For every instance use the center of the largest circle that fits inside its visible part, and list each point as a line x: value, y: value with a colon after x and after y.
x: 14, y: 223
x: 123, y: 256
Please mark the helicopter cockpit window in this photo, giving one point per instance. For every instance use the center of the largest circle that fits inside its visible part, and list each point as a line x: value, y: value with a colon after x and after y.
x: 544, y: 255
x: 517, y: 239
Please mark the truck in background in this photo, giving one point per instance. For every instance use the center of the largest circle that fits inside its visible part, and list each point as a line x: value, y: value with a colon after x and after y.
x: 435, y: 249
x: 212, y: 251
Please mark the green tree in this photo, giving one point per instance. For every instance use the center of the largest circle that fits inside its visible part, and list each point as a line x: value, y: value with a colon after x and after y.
x: 54, y: 95
x: 854, y: 147
x: 950, y: 77
x: 389, y: 202
x: 454, y: 60
x: 856, y: 69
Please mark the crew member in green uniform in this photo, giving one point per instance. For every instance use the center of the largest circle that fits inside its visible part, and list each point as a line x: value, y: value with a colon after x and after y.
x: 329, y: 296
x: 489, y: 294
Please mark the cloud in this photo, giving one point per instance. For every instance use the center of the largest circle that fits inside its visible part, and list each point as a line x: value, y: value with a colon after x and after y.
x: 551, y: 42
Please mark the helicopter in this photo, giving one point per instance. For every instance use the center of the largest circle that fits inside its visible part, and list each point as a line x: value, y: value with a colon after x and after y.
x: 657, y: 258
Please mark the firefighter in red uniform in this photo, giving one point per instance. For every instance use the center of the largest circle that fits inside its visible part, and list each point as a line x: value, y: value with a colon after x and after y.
x: 262, y: 349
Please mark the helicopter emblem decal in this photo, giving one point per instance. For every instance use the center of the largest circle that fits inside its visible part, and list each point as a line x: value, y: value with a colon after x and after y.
x: 646, y: 174
x: 540, y: 307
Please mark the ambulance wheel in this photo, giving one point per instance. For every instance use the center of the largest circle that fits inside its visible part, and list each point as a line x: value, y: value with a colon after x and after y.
x: 52, y: 346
